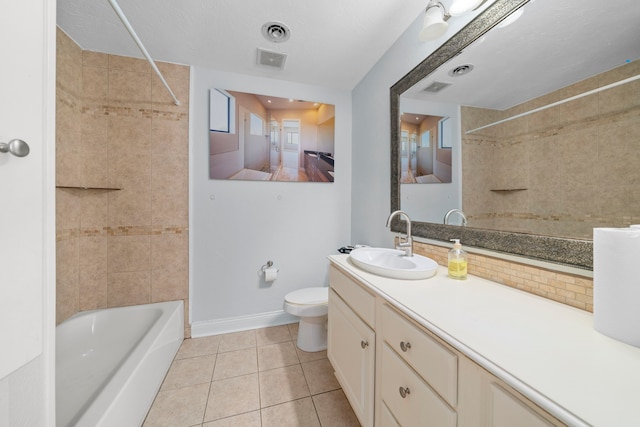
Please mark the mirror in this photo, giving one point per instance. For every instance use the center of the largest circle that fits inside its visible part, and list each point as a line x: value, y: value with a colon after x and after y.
x: 265, y: 138
x: 541, y: 166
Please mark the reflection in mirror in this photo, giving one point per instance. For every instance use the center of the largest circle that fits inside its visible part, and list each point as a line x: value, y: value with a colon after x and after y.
x: 547, y: 171
x: 265, y: 138
x: 425, y: 149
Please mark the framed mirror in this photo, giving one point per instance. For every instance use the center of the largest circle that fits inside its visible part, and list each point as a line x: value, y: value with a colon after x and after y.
x: 256, y: 137
x: 548, y: 133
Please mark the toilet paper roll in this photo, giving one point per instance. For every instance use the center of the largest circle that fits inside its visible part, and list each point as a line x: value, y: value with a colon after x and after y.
x: 616, y: 283
x: 270, y: 274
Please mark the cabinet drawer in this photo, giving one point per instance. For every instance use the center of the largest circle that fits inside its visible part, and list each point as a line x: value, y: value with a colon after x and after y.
x: 420, y: 405
x: 434, y: 362
x: 386, y: 419
x: 361, y: 301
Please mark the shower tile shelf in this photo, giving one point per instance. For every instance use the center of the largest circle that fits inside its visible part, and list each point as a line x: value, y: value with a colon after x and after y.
x: 506, y: 190
x: 80, y: 187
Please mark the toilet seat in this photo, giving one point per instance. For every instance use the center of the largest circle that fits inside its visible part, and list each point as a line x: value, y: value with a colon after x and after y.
x: 308, y: 296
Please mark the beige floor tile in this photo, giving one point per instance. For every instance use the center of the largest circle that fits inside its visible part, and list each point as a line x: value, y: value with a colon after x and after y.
x: 250, y: 419
x: 320, y: 377
x: 334, y: 410
x: 299, y: 413
x: 277, y: 356
x: 282, y: 385
x: 306, y: 356
x: 193, y: 347
x: 273, y: 335
x: 236, y: 363
x: 194, y: 370
x: 293, y: 330
x: 233, y: 396
x: 237, y: 341
x: 179, y: 407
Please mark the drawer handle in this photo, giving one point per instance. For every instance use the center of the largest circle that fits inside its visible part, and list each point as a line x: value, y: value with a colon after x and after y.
x: 404, y: 391
x: 364, y: 344
x: 404, y: 346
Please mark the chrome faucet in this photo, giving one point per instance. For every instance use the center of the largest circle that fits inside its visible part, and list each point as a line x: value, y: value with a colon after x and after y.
x: 455, y: 211
x: 407, y: 244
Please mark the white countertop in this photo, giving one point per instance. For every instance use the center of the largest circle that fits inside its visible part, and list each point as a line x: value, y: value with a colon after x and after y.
x: 546, y: 350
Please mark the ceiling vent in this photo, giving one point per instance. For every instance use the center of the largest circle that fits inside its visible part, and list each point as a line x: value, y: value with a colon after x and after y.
x: 461, y: 70
x: 271, y: 59
x: 436, y: 87
x: 276, y: 32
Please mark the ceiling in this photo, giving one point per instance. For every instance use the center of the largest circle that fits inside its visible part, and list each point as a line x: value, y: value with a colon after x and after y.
x: 333, y: 43
x: 553, y: 44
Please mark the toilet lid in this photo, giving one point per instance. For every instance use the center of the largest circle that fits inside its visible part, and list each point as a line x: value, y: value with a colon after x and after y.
x: 319, y: 295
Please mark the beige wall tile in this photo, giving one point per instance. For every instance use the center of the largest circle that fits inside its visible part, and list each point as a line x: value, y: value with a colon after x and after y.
x: 128, y: 288
x: 129, y: 253
x: 95, y: 85
x: 126, y: 63
x: 93, y: 272
x: 129, y: 88
x: 104, y: 133
x: 66, y: 278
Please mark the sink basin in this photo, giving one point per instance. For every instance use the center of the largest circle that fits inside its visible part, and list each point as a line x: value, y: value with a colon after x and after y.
x: 393, y: 263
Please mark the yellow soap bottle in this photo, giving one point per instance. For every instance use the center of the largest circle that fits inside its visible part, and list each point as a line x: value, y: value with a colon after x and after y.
x: 457, y: 261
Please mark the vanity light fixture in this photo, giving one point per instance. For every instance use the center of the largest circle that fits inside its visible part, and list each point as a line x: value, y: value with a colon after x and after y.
x: 436, y: 17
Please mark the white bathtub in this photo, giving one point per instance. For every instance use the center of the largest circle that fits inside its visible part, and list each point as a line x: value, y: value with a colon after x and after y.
x: 110, y: 363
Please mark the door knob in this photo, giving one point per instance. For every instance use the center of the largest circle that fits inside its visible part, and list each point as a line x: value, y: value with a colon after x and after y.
x: 17, y: 147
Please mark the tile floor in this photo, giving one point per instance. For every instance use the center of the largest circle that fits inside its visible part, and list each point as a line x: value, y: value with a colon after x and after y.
x: 256, y: 378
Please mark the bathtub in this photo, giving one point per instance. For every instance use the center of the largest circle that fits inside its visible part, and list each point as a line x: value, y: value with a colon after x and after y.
x: 110, y: 363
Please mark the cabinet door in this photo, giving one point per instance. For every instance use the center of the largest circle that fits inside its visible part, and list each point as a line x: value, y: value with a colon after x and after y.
x: 351, y: 350
x: 507, y: 411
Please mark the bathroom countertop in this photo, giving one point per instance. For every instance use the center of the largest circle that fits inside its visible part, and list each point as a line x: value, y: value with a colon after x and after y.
x: 546, y: 350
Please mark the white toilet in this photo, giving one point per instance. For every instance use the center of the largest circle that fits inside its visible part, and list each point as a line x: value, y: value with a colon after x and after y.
x: 311, y: 305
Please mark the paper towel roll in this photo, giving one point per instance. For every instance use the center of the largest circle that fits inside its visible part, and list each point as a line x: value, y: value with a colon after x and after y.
x: 616, y: 283
x: 270, y: 274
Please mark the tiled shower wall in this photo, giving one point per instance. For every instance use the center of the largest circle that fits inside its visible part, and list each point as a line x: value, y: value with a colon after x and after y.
x: 122, y: 231
x: 560, y: 171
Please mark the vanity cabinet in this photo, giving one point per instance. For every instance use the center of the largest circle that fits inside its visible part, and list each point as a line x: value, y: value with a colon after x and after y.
x: 420, y: 380
x: 418, y: 374
x: 351, y: 342
x: 487, y: 401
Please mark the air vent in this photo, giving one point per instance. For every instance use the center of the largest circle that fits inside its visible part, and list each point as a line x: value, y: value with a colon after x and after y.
x: 271, y: 59
x: 461, y: 70
x: 436, y: 87
x: 276, y: 32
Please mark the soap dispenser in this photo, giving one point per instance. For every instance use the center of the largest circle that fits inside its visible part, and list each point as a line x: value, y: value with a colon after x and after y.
x: 457, y: 261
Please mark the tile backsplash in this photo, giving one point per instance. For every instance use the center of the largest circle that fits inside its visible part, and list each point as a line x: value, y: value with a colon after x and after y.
x: 122, y: 177
x: 573, y: 290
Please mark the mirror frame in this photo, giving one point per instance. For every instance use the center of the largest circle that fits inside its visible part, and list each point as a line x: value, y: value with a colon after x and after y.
x: 571, y: 252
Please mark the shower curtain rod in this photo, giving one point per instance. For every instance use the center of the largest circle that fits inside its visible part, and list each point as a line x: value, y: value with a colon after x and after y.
x: 136, y: 39
x: 555, y: 104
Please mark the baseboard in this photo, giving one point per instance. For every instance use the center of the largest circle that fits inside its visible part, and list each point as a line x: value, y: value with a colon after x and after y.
x: 241, y: 323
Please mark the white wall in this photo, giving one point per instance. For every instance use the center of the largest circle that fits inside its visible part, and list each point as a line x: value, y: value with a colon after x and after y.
x: 237, y: 226
x: 371, y: 131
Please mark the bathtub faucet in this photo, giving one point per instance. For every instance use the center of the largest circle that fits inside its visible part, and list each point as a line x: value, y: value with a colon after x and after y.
x: 407, y: 244
x: 455, y: 211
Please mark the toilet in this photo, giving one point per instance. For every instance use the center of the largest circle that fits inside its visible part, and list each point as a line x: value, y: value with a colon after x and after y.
x: 311, y: 305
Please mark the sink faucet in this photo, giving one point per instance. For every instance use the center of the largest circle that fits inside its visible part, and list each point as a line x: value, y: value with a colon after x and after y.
x: 455, y: 211
x: 407, y: 244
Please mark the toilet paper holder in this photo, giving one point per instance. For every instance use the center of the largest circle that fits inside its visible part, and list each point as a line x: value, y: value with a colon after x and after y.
x: 269, y: 264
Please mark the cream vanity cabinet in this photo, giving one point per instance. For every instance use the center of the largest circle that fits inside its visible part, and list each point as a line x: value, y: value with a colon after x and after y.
x: 420, y: 380
x: 351, y: 342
